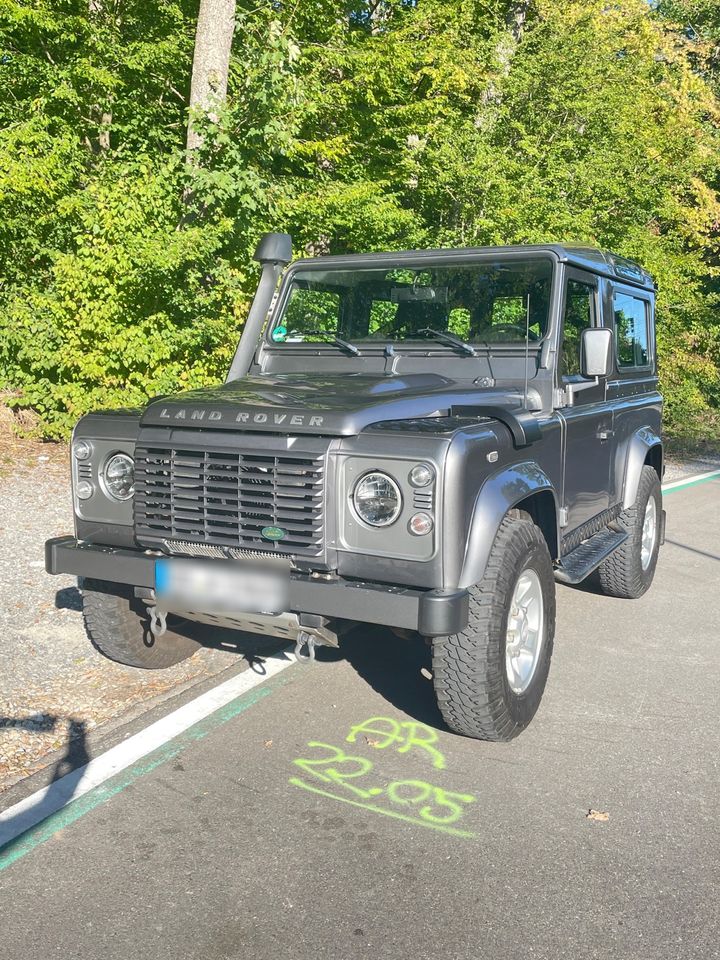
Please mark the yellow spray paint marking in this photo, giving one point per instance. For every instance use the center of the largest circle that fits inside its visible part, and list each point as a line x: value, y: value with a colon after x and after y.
x: 415, y: 801
x: 407, y: 733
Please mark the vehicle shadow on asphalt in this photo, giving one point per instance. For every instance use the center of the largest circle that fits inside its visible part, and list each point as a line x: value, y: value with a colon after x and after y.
x: 253, y: 648
x: 398, y: 668
x: 392, y: 665
x: 591, y: 584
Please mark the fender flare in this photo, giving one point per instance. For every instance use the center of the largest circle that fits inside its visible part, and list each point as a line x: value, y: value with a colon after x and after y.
x: 498, y: 494
x: 640, y: 443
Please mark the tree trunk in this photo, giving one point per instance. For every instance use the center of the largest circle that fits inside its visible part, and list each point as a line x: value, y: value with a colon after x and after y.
x: 96, y: 9
x: 378, y: 14
x: 516, y: 18
x: 211, y: 62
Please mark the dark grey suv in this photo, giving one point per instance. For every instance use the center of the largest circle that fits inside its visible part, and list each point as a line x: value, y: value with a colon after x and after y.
x: 426, y: 440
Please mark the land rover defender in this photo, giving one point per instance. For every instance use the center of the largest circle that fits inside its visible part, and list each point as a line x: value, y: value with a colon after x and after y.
x: 426, y: 440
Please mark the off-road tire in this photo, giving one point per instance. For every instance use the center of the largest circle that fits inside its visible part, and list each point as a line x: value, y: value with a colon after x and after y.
x: 118, y: 625
x: 469, y: 674
x: 622, y: 575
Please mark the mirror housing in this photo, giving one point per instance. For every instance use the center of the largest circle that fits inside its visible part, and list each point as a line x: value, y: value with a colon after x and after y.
x: 596, y: 359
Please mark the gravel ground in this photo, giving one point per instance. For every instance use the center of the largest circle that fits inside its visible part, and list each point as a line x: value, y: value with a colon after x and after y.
x: 54, y: 686
x: 678, y: 469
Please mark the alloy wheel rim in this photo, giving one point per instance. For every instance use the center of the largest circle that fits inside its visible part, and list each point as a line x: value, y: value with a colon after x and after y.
x: 525, y: 631
x: 649, y: 532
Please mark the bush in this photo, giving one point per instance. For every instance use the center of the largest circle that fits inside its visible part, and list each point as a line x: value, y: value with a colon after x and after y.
x: 135, y: 308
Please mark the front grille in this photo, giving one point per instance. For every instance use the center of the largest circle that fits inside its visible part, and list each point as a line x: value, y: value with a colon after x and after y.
x: 225, y: 498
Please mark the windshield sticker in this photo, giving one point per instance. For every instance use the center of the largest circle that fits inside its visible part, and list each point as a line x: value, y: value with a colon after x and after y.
x: 279, y: 335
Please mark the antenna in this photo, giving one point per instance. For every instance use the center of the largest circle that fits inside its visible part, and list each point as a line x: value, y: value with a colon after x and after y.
x: 527, y: 351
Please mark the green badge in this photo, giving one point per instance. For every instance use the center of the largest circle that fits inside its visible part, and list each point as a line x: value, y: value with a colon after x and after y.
x: 273, y: 533
x: 278, y: 335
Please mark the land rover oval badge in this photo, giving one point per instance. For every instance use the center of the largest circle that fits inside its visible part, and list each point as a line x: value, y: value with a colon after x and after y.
x: 273, y: 533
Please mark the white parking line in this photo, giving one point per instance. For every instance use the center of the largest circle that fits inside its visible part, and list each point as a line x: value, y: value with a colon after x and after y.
x: 41, y: 804
x: 691, y: 481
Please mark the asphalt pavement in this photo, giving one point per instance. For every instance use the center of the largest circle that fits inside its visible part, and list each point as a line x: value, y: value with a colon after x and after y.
x: 335, y: 817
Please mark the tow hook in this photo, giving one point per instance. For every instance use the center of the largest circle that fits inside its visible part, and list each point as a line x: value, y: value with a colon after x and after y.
x: 305, y: 640
x: 158, y: 622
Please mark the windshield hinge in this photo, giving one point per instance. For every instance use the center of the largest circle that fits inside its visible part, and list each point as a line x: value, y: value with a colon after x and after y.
x: 559, y: 398
x: 391, y: 358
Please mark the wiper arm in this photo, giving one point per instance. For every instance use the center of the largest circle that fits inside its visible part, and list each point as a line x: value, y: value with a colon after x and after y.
x: 338, y: 341
x: 449, y: 338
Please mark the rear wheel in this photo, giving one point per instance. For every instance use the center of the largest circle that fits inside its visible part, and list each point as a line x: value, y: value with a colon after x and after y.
x: 490, y: 678
x: 118, y: 625
x: 629, y: 570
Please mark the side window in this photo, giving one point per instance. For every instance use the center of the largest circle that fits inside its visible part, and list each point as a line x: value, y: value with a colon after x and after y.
x: 631, y: 330
x: 578, y: 316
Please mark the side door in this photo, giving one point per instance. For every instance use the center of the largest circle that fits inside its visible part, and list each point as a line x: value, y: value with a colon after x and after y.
x: 588, y: 422
x: 633, y: 389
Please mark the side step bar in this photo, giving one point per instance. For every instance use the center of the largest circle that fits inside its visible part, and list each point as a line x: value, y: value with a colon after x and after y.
x: 581, y: 562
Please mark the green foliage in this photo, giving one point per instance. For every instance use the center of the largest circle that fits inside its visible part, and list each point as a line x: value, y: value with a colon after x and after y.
x: 118, y: 320
x: 476, y: 137
x: 110, y: 292
x: 356, y: 126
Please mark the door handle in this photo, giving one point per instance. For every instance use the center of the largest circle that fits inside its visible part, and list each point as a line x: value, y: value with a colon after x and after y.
x: 605, y: 434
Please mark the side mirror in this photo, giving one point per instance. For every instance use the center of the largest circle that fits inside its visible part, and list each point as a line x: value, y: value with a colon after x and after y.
x: 596, y: 359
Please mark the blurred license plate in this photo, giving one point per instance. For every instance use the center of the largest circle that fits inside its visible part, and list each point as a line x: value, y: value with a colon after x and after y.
x: 210, y: 586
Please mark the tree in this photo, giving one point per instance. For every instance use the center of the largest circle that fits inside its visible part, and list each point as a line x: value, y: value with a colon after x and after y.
x: 96, y: 9
x: 211, y: 65
x: 357, y: 125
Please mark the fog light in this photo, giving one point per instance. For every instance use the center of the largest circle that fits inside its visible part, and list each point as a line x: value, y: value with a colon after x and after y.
x: 84, y: 490
x: 421, y: 475
x: 420, y: 524
x: 81, y: 450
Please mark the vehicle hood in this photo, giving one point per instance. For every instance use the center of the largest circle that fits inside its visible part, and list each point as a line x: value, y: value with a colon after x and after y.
x: 336, y: 405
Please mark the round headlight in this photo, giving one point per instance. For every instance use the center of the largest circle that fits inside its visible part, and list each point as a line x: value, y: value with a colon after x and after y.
x: 377, y: 499
x: 84, y: 490
x: 119, y: 476
x: 81, y: 449
x: 421, y: 475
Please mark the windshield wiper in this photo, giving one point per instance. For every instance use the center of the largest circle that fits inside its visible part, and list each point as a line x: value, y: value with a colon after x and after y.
x: 338, y: 341
x: 449, y: 338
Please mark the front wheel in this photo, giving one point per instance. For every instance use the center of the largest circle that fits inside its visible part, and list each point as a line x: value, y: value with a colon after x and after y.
x: 490, y: 678
x: 118, y: 625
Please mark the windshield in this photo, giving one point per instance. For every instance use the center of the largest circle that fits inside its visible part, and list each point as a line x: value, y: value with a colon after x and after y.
x: 480, y: 303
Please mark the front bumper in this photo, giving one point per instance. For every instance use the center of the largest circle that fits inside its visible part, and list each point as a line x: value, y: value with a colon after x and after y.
x: 430, y: 612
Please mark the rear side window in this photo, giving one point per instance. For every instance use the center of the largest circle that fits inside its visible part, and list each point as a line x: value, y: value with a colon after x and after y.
x: 632, y: 333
